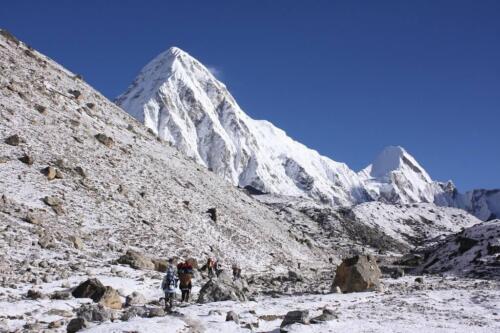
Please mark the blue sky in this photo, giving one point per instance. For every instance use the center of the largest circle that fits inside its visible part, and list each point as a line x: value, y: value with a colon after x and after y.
x: 344, y: 77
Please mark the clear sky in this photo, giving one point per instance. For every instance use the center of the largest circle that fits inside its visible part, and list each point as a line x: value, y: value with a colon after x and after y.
x: 344, y: 77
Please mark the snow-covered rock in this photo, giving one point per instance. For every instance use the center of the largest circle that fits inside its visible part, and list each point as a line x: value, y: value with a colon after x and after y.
x: 473, y: 252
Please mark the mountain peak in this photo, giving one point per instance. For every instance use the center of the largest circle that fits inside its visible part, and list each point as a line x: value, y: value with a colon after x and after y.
x: 390, y: 159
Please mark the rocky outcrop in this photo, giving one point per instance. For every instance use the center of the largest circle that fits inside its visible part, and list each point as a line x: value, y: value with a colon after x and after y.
x: 294, y: 317
x: 95, y: 290
x: 222, y: 288
x: 356, y: 274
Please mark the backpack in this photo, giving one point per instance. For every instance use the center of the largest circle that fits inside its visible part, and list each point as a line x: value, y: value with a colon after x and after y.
x: 170, y: 280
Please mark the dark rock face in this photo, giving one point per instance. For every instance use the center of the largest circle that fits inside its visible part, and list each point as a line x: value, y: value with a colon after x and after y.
x: 14, y: 140
x: 465, y: 244
x: 105, y: 140
x: 295, y: 317
x: 356, y: 274
x: 212, y: 212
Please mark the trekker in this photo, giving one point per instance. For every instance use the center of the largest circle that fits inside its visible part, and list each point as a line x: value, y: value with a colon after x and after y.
x: 169, y: 284
x: 236, y: 271
x: 185, y: 272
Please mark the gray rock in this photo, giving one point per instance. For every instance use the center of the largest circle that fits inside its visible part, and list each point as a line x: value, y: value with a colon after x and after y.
x: 76, y: 324
x: 105, y: 140
x: 327, y: 315
x: 222, y: 289
x: 233, y: 316
x: 294, y: 317
x: 14, y: 140
x: 92, y: 288
x: 27, y: 159
x: 93, y: 312
x: 134, y: 311
x: 156, y: 312
x: 135, y: 298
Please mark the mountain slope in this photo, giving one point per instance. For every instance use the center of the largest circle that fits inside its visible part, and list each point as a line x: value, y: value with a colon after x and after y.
x: 182, y: 102
x: 75, y: 166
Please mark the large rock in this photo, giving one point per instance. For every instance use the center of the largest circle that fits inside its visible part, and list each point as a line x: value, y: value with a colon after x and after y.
x: 295, y: 317
x: 94, y: 289
x: 111, y: 299
x: 136, y: 260
x: 222, y: 288
x: 359, y: 273
x: 135, y: 298
x: 93, y: 312
x: 76, y: 324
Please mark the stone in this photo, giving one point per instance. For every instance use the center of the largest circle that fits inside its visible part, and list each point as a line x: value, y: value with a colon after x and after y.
x: 27, y: 159
x: 76, y: 94
x: 77, y: 242
x: 56, y: 323
x: 104, y: 139
x: 46, y: 241
x: 34, y: 294
x: 327, y: 315
x: 160, y: 265
x: 136, y: 260
x: 40, y: 108
x: 135, y: 298
x: 134, y: 311
x: 33, y: 219
x: 52, y: 201
x: 14, y: 140
x: 295, y: 317
x: 156, y: 312
x: 60, y: 294
x: 222, y: 289
x: 50, y: 172
x: 233, y: 316
x: 212, y: 212
x: 90, y: 105
x: 79, y: 170
x: 93, y: 312
x: 337, y: 290
x: 111, y: 299
x: 92, y: 288
x: 419, y: 280
x: 76, y: 324
x: 356, y: 274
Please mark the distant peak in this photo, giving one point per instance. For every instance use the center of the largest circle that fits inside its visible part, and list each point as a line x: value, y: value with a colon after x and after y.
x: 176, y: 52
x: 394, y: 158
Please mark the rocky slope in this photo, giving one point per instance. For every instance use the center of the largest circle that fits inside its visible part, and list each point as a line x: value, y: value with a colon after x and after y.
x: 75, y: 166
x: 184, y: 104
x: 473, y: 252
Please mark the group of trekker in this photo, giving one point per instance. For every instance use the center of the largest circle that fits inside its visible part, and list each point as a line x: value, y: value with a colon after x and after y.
x: 182, y: 276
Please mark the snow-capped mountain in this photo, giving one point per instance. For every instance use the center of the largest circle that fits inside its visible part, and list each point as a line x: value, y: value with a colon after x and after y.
x: 183, y: 103
x: 396, y: 177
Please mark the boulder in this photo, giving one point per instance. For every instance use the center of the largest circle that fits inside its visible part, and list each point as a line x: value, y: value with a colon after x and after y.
x: 40, y: 108
x: 295, y: 317
x: 60, y: 294
x: 327, y: 315
x: 76, y: 324
x: 93, y: 312
x: 134, y: 311
x: 136, y: 260
x: 135, y: 298
x: 111, y: 299
x: 34, y: 294
x: 14, y: 140
x: 160, y: 265
x: 104, y: 139
x: 27, y: 159
x: 92, y: 288
x: 233, y: 316
x: 52, y: 201
x: 50, y: 172
x: 77, y: 242
x: 222, y: 289
x: 156, y: 312
x: 76, y: 94
x: 356, y: 274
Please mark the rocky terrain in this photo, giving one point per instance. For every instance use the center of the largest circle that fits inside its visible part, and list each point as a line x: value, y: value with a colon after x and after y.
x: 92, y: 203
